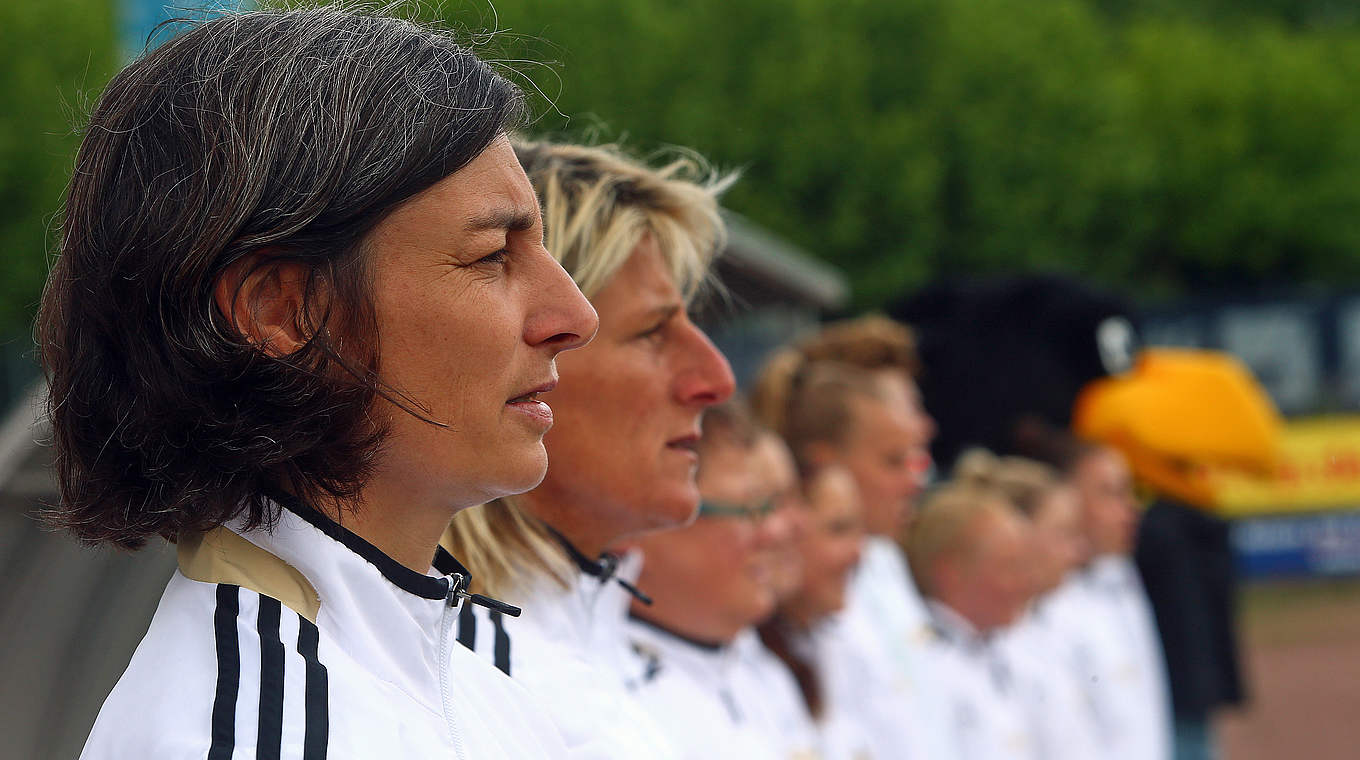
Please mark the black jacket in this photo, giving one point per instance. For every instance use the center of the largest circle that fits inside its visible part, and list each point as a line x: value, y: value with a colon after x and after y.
x: 1186, y: 562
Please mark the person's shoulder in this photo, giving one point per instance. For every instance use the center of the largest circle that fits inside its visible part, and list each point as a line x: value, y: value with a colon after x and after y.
x: 214, y: 671
x: 162, y: 705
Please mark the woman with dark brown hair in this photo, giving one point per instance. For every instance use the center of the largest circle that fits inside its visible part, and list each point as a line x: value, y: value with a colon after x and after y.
x: 302, y: 314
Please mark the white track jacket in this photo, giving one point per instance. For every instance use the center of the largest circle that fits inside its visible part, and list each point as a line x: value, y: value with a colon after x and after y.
x: 980, y: 696
x: 871, y: 654
x: 307, y: 642
x: 717, y: 702
x: 569, y: 650
x: 1117, y: 655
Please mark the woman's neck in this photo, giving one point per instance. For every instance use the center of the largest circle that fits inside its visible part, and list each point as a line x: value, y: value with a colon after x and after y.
x: 405, y: 529
x: 579, y: 524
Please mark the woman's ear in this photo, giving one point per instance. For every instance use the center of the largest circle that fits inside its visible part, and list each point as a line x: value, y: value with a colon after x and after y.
x: 262, y: 299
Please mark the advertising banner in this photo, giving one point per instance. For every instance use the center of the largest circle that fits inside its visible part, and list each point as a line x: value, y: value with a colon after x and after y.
x: 1318, y: 470
x: 1303, y: 519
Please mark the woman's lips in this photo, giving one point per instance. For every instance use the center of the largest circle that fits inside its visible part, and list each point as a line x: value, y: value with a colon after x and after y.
x: 535, y: 410
x: 687, y: 445
x: 529, y: 405
x: 687, y: 441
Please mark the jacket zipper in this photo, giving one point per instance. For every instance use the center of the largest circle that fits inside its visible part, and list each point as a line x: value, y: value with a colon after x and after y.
x: 445, y: 637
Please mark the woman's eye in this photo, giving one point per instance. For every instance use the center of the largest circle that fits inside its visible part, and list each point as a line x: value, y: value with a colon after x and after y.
x: 498, y: 257
x: 653, y: 333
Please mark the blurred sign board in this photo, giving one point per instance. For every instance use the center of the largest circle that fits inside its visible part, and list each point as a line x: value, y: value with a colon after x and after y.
x: 1312, y: 545
x: 1305, y: 351
x: 1348, y: 344
x: 1304, y: 519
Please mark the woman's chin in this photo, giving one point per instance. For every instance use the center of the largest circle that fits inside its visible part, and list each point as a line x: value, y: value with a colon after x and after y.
x: 523, y: 473
x: 673, y: 510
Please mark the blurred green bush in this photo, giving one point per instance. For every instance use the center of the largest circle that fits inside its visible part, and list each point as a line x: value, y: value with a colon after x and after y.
x: 59, y: 53
x: 1155, y: 146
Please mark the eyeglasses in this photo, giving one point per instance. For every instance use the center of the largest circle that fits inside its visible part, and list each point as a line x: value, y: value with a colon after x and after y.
x: 752, y: 513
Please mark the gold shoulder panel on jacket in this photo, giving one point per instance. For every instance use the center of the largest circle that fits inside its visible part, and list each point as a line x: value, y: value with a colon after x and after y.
x: 221, y: 556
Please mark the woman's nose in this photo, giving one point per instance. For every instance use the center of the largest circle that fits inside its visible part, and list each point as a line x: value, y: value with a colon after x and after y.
x: 562, y: 318
x: 707, y: 377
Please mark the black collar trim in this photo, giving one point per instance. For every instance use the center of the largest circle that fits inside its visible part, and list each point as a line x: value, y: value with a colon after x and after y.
x: 450, y: 566
x: 399, y: 575
x: 424, y: 586
x: 602, y: 569
x: 707, y: 646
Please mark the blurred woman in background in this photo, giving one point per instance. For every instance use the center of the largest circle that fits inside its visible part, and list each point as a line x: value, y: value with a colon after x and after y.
x: 855, y: 406
x: 829, y: 551
x: 1036, y: 647
x: 638, y: 241
x: 710, y: 583
x: 970, y: 549
x: 1102, y: 610
x: 839, y: 421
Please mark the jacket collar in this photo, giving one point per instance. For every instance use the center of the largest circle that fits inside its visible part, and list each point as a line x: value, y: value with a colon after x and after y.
x: 708, y: 663
x: 404, y: 578
x: 1111, y: 573
x: 662, y: 630
x: 954, y: 628
x: 587, y: 614
x: 374, y: 611
x: 603, y: 568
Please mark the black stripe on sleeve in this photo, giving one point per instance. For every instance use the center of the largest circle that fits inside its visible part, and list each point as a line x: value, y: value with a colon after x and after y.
x: 502, y: 642
x: 228, y: 673
x: 318, y: 719
x: 467, y: 626
x: 269, y: 740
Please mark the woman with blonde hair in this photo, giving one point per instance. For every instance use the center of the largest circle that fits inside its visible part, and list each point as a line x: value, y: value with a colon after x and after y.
x: 638, y: 241
x: 969, y: 550
x: 1050, y: 504
x: 846, y: 396
x: 1044, y: 657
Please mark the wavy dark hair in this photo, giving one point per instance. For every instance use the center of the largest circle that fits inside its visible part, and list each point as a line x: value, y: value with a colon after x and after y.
x: 273, y: 136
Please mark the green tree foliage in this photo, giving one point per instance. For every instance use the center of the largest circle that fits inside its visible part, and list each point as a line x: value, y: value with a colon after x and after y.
x: 1153, y: 145
x: 903, y: 139
x: 57, y: 53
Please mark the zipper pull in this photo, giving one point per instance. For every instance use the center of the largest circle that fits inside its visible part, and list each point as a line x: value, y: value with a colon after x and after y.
x: 608, y: 565
x: 458, y: 590
x: 635, y: 591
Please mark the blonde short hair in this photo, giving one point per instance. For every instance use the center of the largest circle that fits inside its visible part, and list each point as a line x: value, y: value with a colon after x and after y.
x: 944, y: 524
x: 1025, y: 482
x: 598, y: 204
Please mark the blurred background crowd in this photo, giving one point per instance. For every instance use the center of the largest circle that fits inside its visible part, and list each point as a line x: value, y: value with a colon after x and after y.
x: 1099, y: 439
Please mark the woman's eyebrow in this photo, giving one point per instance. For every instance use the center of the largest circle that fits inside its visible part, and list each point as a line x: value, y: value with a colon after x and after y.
x: 515, y: 220
x: 663, y: 312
